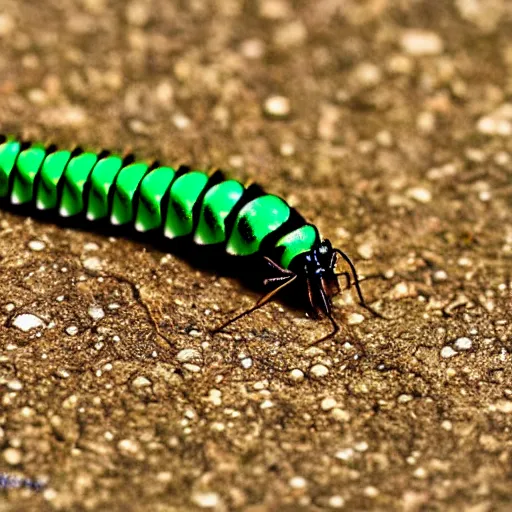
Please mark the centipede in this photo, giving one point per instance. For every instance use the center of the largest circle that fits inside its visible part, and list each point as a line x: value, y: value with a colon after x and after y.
x: 182, y: 204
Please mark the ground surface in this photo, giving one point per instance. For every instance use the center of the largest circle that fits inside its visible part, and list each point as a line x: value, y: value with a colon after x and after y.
x: 389, y: 124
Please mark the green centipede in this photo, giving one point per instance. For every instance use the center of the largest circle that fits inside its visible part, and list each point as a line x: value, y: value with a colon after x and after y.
x: 207, y: 208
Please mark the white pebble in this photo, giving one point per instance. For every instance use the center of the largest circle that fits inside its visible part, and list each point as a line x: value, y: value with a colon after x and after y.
x: 215, y: 397
x: 297, y: 375
x: 365, y: 250
x: 319, y: 370
x: 36, y: 245
x: 336, y: 501
x: 297, y: 482
x: 340, y: 415
x: 72, y: 330
x: 463, y: 344
x: 12, y: 456
x: 246, y: 362
x: 141, y: 382
x: 15, y: 385
x: 328, y: 403
x: 361, y: 446
x: 278, y: 106
x: 440, y: 275
x: 421, y: 42
x: 27, y: 322
x: 266, y: 404
x: 420, y: 194
x: 355, y: 318
x: 96, y: 312
x: 188, y: 354
x: 206, y: 499
x: 447, y: 352
x: 180, y: 121
x: 128, y: 447
x: 345, y: 454
x: 92, y: 263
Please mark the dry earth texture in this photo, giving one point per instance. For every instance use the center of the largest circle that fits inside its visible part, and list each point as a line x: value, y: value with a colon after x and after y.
x: 389, y: 125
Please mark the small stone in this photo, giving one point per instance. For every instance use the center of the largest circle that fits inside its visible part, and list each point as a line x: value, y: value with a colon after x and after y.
x: 290, y: 34
x: 340, y: 415
x: 447, y: 352
x: 463, y: 344
x: 96, y: 312
x: 355, y: 318
x: 370, y: 491
x: 328, y: 403
x: 128, y: 447
x: 215, y: 397
x: 246, y: 362
x: 277, y: 106
x: 361, y: 446
x: 194, y: 368
x: 403, y: 399
x: 447, y: 425
x: 297, y: 482
x: 367, y: 74
x: 72, y: 330
x: 189, y: 354
x: 181, y: 121
x: 420, y: 473
x: 7, y: 24
x: 297, y: 375
x: 27, y: 322
x: 92, y: 263
x: 319, y: 370
x: 440, y: 275
x: 365, y: 251
x: 15, y: 385
x: 141, y: 382
x: 336, y: 501
x: 420, y: 194
x: 418, y: 42
x: 36, y: 245
x: 274, y: 9
x: 12, y: 456
x: 266, y: 404
x: 345, y: 454
x: 206, y: 499
x: 252, y: 48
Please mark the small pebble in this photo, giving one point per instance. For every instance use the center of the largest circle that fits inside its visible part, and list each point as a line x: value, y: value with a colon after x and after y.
x: 215, y: 397
x: 345, y: 454
x: 188, y: 354
x: 96, y: 312
x: 340, y: 415
x: 72, y: 330
x: 418, y: 42
x: 355, y: 318
x: 403, y: 399
x: 92, y: 263
x: 12, y: 456
x: 206, y: 499
x: 336, y: 501
x: 15, y: 385
x: 371, y: 491
x: 277, y: 106
x: 447, y: 352
x: 328, y: 403
x: 365, y: 251
x: 128, y: 447
x: 297, y: 482
x: 463, y: 344
x: 420, y: 194
x: 141, y: 382
x: 297, y: 375
x: 36, y: 245
x: 27, y: 322
x: 319, y: 370
x: 246, y: 362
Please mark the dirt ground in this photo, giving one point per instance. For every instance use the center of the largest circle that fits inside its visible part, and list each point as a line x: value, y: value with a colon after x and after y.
x: 387, y: 123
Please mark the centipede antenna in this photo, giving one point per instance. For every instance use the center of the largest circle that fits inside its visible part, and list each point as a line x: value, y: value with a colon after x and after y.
x: 356, y: 283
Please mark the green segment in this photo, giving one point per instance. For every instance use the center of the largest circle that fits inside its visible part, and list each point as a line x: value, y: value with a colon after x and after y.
x: 126, y: 184
x: 51, y: 172
x: 255, y: 221
x: 8, y: 152
x: 152, y: 190
x: 297, y: 242
x: 183, y: 196
x: 75, y: 177
x: 27, y: 166
x: 218, y: 203
x: 102, y: 178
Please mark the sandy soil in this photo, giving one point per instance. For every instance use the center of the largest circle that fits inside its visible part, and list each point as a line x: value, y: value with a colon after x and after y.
x: 389, y: 125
